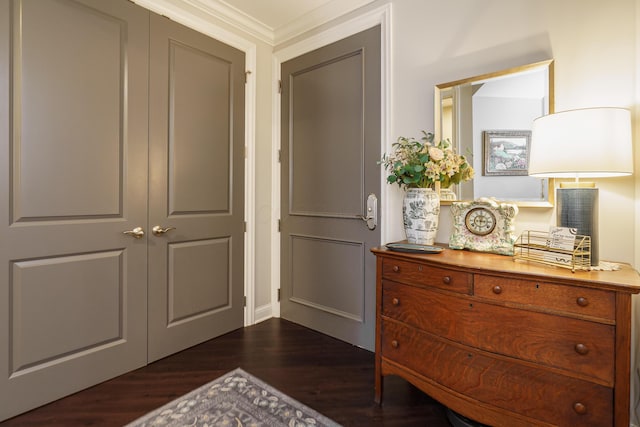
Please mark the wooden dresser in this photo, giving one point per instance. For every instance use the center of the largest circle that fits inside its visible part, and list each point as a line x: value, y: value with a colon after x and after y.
x: 504, y: 342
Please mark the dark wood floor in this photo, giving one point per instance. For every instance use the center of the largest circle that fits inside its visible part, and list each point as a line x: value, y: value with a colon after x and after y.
x: 330, y: 376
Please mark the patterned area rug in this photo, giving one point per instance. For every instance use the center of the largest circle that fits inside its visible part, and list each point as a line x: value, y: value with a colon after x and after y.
x: 237, y: 399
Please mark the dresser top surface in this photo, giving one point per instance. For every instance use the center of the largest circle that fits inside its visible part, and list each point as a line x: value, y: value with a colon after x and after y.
x: 626, y: 279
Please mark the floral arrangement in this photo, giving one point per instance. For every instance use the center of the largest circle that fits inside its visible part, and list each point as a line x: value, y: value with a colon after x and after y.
x: 420, y: 164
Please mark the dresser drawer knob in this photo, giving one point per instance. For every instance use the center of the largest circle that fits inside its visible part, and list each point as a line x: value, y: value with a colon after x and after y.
x: 581, y: 349
x: 395, y: 344
x: 395, y: 301
x: 497, y: 290
x: 579, y: 408
x: 582, y: 301
x: 396, y: 268
x: 446, y: 279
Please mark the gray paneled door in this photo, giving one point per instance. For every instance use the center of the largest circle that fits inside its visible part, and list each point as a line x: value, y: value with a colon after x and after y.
x: 73, y: 147
x: 196, y: 167
x: 94, y: 144
x: 330, y: 148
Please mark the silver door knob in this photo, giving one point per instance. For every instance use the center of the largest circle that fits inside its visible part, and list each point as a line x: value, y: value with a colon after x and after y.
x: 137, y: 233
x: 159, y: 231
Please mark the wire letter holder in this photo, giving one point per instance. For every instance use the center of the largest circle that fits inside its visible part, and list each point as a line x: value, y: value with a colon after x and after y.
x: 539, y: 246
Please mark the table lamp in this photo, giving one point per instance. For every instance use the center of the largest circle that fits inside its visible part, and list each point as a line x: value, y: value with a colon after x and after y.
x: 584, y: 143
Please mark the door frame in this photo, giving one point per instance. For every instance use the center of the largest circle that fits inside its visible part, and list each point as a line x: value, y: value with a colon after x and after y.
x: 380, y: 16
x: 211, y: 29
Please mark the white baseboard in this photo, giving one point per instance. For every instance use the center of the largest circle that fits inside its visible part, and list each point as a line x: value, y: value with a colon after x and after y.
x: 265, y: 312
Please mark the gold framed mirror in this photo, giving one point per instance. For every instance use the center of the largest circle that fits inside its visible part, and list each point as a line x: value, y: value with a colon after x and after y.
x: 487, y: 118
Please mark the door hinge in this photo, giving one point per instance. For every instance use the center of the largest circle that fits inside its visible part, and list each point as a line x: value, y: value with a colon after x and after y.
x: 279, y: 86
x: 245, y: 226
x: 279, y: 156
x: 244, y: 302
x: 278, y: 294
x: 246, y: 76
x: 279, y: 225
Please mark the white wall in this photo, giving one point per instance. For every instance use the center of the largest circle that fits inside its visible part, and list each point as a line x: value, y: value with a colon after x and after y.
x: 635, y: 386
x: 596, y: 47
x: 593, y: 47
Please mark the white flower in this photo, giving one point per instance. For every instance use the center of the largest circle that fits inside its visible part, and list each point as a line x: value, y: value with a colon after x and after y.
x: 436, y: 154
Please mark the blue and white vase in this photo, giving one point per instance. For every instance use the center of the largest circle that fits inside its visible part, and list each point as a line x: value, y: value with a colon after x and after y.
x: 420, y: 213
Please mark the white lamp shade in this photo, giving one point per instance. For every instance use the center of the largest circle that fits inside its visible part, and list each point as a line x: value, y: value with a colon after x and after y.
x: 590, y: 143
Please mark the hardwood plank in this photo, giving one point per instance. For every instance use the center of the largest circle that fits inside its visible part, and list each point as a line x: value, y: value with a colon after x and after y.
x: 328, y: 375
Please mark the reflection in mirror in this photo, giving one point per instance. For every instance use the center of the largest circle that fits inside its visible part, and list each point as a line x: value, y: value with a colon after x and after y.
x: 487, y: 118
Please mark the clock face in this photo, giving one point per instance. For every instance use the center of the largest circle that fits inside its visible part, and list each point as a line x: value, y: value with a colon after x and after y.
x: 480, y: 221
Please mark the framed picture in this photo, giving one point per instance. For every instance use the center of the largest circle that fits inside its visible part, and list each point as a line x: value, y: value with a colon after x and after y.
x: 506, y: 152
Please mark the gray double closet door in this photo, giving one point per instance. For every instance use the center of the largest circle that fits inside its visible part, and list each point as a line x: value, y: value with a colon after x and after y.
x: 121, y: 193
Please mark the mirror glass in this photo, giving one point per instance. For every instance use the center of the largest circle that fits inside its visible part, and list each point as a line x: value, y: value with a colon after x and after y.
x: 489, y: 118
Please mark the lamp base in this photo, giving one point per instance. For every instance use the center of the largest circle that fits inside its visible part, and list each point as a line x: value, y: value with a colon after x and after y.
x: 578, y: 208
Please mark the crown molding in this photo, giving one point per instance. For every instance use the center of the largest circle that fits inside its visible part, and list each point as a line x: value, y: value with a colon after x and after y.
x: 185, y: 13
x: 234, y: 17
x: 321, y: 15
x: 192, y: 10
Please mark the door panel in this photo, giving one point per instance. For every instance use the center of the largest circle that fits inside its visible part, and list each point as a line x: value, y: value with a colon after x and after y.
x: 64, y: 290
x: 210, y: 258
x: 329, y: 151
x: 327, y: 119
x: 73, y: 153
x: 199, y: 96
x: 338, y: 265
x: 196, y: 283
x: 89, y: 125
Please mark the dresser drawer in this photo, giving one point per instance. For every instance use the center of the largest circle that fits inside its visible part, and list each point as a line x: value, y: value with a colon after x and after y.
x: 537, y: 393
x: 571, y: 299
x: 556, y: 341
x: 422, y: 275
